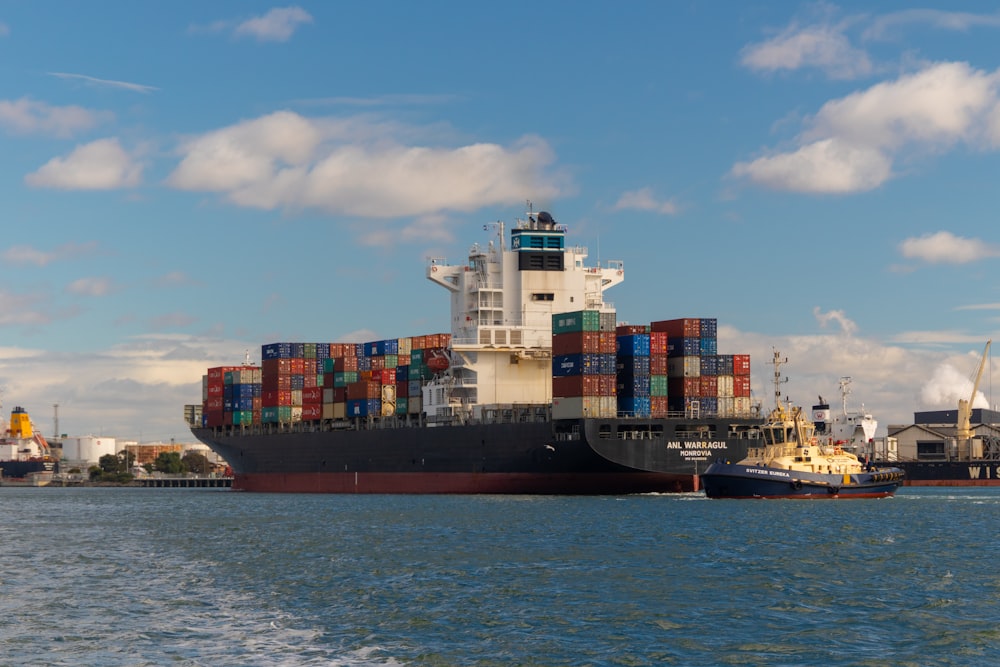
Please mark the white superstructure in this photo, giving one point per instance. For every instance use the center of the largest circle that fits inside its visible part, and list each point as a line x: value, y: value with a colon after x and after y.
x: 502, y: 302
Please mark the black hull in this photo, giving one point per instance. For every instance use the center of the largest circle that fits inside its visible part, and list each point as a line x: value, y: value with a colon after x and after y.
x: 951, y: 473
x: 21, y: 469
x: 588, y: 456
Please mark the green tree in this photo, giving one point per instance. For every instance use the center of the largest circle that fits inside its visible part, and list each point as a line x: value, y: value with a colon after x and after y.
x: 109, y: 463
x: 196, y: 463
x: 169, y: 462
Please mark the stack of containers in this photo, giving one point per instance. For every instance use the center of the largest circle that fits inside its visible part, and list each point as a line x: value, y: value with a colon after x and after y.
x: 720, y: 383
x: 583, y: 365
x: 658, y: 378
x: 632, y: 345
x: 313, y: 381
x: 231, y: 395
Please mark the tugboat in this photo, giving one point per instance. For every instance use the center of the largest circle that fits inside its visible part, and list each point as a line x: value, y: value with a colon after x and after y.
x: 794, y: 463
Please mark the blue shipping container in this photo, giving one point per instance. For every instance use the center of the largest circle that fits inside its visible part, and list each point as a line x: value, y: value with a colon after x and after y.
x: 632, y: 345
x: 566, y: 365
x: 276, y: 351
x: 632, y: 406
x: 683, y: 347
x: 708, y: 346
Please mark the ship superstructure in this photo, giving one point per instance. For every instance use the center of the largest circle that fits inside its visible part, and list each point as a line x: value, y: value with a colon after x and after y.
x: 502, y: 302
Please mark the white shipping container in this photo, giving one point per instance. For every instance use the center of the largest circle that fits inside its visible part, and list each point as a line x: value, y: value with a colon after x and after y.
x: 724, y: 386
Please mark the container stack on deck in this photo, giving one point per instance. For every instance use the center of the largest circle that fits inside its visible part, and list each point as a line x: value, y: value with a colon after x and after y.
x: 598, y: 370
x: 231, y: 395
x: 583, y: 365
x: 699, y: 378
x: 312, y: 381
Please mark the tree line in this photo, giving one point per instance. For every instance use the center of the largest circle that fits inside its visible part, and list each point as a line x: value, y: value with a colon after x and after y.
x: 117, y: 467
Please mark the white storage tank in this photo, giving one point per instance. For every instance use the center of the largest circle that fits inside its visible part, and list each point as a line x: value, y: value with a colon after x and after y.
x: 87, y: 448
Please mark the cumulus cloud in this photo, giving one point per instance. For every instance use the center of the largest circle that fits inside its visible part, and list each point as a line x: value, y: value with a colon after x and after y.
x: 851, y: 143
x: 946, y: 386
x: 99, y: 165
x: 278, y: 25
x: 824, y: 47
x: 644, y: 200
x: 946, y: 248
x: 27, y: 116
x: 286, y: 161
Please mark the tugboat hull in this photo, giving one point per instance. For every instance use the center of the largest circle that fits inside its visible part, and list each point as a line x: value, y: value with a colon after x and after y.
x: 722, y: 480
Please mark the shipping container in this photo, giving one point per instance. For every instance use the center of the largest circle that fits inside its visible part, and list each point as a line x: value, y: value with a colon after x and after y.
x: 581, y: 320
x: 684, y: 366
x: 679, y: 328
x: 634, y: 406
x: 576, y: 342
x: 684, y: 347
x: 633, y: 345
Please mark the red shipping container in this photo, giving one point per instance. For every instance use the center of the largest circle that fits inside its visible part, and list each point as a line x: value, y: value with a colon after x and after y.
x: 576, y: 385
x: 684, y: 386
x: 658, y: 342
x: 741, y: 364
x: 311, y: 395
x: 312, y: 412
x: 680, y: 328
x: 630, y: 329
x: 658, y: 364
x: 275, y: 367
x: 216, y: 390
x: 608, y: 385
x: 215, y: 418
x: 297, y: 366
x: 608, y: 343
x: 741, y: 386
x: 709, y: 386
x: 366, y: 389
x: 576, y: 342
x: 658, y: 406
x: 214, y: 403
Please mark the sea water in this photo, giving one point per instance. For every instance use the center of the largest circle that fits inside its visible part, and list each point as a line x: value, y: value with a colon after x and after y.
x: 123, y: 576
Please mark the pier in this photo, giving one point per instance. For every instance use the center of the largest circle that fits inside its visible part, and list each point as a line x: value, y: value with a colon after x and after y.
x: 186, y: 482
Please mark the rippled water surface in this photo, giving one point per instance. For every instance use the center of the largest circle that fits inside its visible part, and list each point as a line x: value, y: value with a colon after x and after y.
x: 207, y: 577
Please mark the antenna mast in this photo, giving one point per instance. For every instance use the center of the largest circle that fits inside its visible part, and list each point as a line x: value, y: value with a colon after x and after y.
x: 778, y: 380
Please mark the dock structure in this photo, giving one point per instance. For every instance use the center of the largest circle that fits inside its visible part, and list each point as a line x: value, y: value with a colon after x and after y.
x: 186, y: 482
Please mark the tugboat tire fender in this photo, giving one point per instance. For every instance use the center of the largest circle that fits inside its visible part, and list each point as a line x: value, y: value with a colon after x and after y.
x: 796, y: 485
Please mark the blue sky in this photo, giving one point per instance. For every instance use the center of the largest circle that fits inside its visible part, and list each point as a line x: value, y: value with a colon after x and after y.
x: 185, y: 181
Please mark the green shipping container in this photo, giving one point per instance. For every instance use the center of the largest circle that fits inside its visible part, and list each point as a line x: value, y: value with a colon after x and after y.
x: 269, y: 415
x: 658, y: 385
x: 401, y: 405
x: 580, y: 320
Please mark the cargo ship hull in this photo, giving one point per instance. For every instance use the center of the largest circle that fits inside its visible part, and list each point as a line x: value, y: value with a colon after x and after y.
x: 950, y: 473
x: 587, y: 457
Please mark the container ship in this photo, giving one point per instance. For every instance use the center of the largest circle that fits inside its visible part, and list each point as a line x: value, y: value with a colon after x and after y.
x: 536, y: 388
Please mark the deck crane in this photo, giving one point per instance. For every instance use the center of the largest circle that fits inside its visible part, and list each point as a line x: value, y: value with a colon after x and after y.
x: 963, y: 426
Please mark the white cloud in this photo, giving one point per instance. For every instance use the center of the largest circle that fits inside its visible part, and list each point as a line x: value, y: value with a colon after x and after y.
x: 22, y: 254
x: 830, y: 166
x: 946, y: 248
x: 959, y: 21
x: 91, y: 287
x: 22, y: 309
x: 644, y: 200
x: 355, y: 167
x: 946, y: 386
x: 27, y: 116
x: 106, y: 83
x: 851, y: 143
x: 835, y: 316
x: 99, y: 165
x: 824, y: 47
x: 278, y: 25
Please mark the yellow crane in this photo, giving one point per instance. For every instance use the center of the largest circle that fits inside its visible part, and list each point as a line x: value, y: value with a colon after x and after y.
x: 963, y: 426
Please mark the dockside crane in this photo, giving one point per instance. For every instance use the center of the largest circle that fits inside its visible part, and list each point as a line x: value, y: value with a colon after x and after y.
x: 963, y: 425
